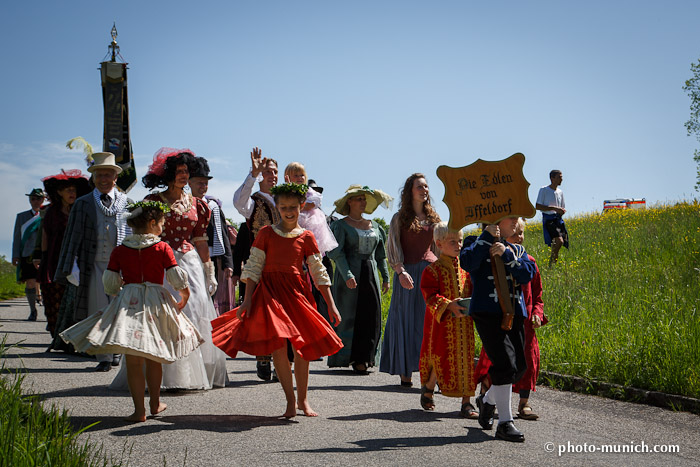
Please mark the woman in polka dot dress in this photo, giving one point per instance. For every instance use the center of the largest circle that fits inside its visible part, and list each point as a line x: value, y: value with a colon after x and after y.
x: 185, y: 231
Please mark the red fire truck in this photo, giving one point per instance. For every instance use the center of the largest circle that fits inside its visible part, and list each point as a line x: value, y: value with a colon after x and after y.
x: 624, y: 203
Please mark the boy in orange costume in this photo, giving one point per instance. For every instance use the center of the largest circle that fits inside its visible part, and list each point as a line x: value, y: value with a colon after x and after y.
x: 447, y: 351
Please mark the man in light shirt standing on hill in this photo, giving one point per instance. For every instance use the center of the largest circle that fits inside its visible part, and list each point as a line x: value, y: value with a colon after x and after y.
x: 550, y: 200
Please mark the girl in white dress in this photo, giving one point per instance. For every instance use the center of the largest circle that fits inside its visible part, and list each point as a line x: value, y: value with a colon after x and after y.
x: 144, y: 322
x: 312, y: 217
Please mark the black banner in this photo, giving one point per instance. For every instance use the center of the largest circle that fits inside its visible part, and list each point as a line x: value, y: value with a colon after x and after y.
x: 116, y: 121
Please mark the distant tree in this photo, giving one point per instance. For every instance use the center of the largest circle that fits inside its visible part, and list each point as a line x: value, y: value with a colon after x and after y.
x: 692, y: 87
x: 382, y: 223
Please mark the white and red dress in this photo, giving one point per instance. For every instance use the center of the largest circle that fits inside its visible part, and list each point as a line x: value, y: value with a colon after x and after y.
x: 143, y: 319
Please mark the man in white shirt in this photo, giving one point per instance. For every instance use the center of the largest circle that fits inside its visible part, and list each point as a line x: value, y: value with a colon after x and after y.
x: 550, y: 200
x: 259, y: 210
x: 263, y: 171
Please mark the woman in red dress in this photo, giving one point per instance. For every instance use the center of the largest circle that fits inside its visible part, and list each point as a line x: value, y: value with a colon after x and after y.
x: 185, y: 231
x: 278, y: 304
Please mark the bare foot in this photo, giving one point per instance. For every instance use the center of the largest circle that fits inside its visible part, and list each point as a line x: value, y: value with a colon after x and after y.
x: 291, y: 411
x: 160, y: 408
x: 306, y: 408
x: 134, y: 417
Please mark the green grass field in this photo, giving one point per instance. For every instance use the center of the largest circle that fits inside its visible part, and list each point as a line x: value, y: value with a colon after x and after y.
x: 35, y: 434
x: 624, y: 300
x: 9, y: 288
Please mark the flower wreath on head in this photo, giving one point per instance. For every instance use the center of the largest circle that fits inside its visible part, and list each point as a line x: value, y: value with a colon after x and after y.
x: 136, y: 209
x: 289, y: 189
x: 160, y: 158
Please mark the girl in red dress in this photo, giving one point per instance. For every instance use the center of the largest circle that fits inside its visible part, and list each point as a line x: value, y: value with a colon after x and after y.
x: 278, y: 304
x: 143, y: 322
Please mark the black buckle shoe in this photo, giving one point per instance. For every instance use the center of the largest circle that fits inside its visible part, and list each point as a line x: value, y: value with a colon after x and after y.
x: 486, y: 412
x: 103, y: 366
x: 264, y: 370
x: 507, y: 432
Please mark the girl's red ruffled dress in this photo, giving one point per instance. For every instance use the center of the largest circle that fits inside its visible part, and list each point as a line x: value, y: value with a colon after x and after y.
x: 283, y: 307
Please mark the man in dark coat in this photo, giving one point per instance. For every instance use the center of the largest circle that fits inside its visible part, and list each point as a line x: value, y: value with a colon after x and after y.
x: 23, y: 242
x: 93, y: 230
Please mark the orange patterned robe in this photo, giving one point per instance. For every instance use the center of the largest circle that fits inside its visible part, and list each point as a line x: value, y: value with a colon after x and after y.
x: 448, y: 342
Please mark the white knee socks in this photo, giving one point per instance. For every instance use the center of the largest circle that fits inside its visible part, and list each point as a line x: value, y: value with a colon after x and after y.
x: 499, y: 395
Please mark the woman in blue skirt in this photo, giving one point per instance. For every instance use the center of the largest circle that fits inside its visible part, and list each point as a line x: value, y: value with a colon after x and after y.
x: 409, y: 251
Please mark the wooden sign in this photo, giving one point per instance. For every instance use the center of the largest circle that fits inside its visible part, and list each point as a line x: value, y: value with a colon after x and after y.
x: 486, y: 191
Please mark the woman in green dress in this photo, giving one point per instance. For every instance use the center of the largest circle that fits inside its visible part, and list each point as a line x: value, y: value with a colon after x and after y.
x: 360, y: 260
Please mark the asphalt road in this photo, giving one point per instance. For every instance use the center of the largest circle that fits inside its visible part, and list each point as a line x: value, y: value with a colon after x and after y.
x: 364, y: 420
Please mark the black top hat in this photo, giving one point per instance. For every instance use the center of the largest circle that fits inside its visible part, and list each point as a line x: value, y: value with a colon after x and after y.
x: 200, y: 168
x: 312, y: 184
x: 38, y: 192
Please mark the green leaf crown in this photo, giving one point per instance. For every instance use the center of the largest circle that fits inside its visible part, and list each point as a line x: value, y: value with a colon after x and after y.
x: 289, y: 189
x: 149, y: 205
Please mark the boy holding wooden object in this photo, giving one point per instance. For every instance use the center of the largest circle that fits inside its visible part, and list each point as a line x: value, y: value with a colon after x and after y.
x: 497, y: 299
x: 447, y: 351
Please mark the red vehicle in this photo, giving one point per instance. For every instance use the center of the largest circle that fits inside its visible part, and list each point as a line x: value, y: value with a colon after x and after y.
x: 624, y: 203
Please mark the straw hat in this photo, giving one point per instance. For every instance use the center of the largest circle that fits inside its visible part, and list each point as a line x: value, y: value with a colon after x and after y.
x: 103, y: 160
x: 374, y: 199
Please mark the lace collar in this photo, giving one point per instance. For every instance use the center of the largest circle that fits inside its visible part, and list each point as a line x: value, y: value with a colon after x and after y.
x: 181, y: 206
x: 140, y: 241
x: 291, y: 234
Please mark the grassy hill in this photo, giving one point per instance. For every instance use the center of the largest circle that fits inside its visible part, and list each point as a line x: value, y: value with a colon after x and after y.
x: 624, y: 300
x: 9, y: 288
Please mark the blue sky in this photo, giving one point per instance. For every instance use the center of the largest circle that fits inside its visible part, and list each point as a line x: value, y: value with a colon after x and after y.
x: 361, y: 92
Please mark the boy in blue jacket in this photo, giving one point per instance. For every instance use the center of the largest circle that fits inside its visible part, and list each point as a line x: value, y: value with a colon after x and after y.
x: 504, y: 348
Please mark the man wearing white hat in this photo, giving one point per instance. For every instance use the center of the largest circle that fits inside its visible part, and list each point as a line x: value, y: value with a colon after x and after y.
x: 91, y: 235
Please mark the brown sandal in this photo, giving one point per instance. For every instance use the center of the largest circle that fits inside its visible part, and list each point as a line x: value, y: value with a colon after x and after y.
x: 525, y: 412
x: 428, y: 403
x: 469, y: 411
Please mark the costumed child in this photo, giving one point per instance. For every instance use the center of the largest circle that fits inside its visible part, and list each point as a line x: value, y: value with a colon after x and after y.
x: 278, y: 304
x: 532, y: 293
x: 144, y: 322
x: 312, y: 217
x: 447, y: 351
x: 504, y: 347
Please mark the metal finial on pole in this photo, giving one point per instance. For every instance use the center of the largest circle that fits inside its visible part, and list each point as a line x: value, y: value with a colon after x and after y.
x: 113, y: 46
